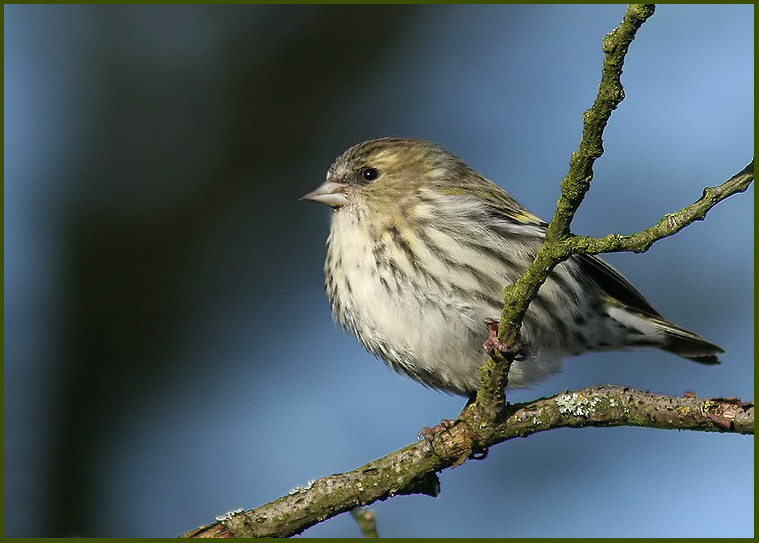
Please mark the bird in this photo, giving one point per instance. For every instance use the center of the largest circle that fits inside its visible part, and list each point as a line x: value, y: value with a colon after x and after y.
x: 419, y: 251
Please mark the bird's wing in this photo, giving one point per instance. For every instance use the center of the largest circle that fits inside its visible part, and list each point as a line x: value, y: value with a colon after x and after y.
x: 616, y: 286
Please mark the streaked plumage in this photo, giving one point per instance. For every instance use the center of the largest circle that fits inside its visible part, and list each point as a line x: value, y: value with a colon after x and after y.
x: 420, y: 249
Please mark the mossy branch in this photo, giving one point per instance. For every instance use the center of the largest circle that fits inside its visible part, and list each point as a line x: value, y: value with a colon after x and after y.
x: 412, y: 470
x: 670, y: 224
x: 576, y: 184
x: 560, y: 243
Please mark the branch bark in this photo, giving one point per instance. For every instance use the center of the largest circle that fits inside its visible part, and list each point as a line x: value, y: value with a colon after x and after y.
x: 555, y: 249
x: 670, y: 224
x: 412, y: 470
x: 560, y: 243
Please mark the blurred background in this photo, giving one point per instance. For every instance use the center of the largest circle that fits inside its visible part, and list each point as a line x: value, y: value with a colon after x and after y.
x: 169, y: 351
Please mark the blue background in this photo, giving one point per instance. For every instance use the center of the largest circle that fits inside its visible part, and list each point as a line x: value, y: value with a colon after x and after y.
x: 169, y: 352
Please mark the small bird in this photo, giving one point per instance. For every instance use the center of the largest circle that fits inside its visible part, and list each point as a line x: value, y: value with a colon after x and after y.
x: 420, y: 249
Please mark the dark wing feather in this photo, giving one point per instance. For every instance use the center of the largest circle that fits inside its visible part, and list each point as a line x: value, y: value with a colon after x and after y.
x: 616, y: 286
x: 680, y: 341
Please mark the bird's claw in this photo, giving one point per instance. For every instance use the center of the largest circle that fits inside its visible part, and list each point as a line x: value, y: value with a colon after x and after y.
x: 428, y: 434
x: 493, y: 344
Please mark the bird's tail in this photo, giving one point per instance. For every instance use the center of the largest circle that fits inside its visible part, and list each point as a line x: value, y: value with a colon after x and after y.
x: 687, y: 344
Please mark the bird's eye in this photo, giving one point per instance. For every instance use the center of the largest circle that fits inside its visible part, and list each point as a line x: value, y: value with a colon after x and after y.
x: 369, y: 174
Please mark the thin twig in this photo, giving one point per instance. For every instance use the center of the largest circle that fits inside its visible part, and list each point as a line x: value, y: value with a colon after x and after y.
x: 670, y: 224
x: 366, y: 521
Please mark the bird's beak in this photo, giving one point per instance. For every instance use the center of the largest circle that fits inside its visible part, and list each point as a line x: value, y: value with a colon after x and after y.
x: 330, y: 193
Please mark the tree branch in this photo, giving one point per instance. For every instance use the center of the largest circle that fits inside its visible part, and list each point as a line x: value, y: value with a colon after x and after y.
x: 555, y: 249
x: 411, y: 470
x: 670, y: 224
x: 366, y: 522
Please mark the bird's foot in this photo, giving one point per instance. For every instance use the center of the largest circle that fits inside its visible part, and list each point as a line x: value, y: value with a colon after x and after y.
x: 428, y: 434
x: 492, y: 343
